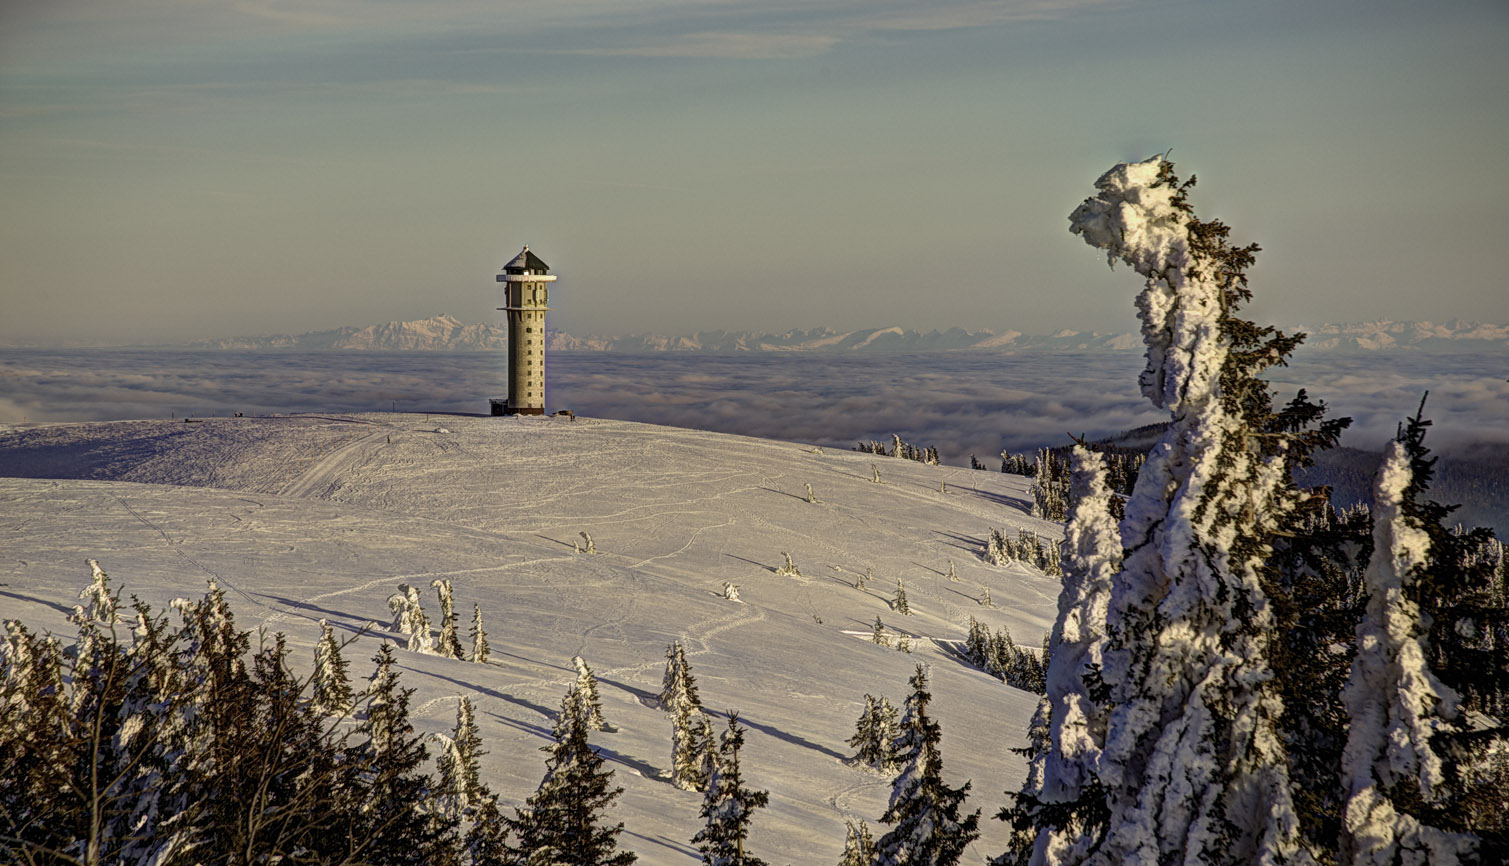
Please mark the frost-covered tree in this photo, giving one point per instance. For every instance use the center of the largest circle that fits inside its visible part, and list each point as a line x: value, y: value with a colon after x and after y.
x: 560, y: 825
x: 877, y: 633
x: 691, y: 741
x: 409, y: 619
x: 450, y: 638
x: 874, y: 737
x: 691, y: 737
x: 1062, y: 803
x: 953, y: 573
x: 1050, y: 488
x: 178, y: 745
x: 1194, y: 761
x: 728, y: 808
x: 586, y: 688
x: 926, y: 827
x: 898, y: 603
x: 460, y: 787
x: 104, y: 604
x: 330, y: 686
x: 587, y: 545
x: 677, y: 685
x: 788, y: 567
x: 859, y: 845
x: 811, y: 498
x: 1397, y: 705
x: 731, y: 590
x: 393, y: 818
x: 479, y: 636
x: 487, y: 839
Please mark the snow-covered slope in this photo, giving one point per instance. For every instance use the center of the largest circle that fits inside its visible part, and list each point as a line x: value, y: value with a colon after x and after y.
x: 307, y: 517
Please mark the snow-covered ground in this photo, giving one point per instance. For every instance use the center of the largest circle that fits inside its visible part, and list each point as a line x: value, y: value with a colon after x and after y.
x: 310, y: 517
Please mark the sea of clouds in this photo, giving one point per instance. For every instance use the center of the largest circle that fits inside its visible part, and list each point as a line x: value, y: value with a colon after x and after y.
x: 962, y: 403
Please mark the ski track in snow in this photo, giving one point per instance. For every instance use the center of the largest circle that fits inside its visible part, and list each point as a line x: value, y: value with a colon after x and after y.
x: 327, y: 469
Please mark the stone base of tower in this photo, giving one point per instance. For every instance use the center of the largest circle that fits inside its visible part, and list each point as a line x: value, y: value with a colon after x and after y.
x: 499, y: 406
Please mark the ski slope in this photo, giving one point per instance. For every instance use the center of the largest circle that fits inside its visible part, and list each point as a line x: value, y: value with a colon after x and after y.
x: 309, y: 517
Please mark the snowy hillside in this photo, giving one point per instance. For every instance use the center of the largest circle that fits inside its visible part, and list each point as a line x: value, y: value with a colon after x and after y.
x: 309, y: 517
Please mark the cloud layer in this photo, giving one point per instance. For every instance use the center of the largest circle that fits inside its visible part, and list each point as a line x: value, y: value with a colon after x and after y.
x: 960, y: 403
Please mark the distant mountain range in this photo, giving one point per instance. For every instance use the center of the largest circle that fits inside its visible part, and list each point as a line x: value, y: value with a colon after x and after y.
x: 448, y: 334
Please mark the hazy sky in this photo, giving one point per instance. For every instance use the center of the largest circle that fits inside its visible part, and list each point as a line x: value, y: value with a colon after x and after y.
x: 183, y: 168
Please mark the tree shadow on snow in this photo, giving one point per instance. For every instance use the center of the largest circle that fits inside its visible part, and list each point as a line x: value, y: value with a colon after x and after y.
x: 645, y: 769
x: 297, y: 608
x: 769, y: 568
x: 678, y: 847
x: 1003, y: 499
x: 793, y: 739
x: 65, y: 609
x: 502, y: 696
x: 784, y: 493
x: 967, y: 543
x: 646, y: 697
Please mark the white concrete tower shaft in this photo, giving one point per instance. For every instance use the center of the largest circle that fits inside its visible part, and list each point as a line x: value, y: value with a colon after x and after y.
x: 526, y: 281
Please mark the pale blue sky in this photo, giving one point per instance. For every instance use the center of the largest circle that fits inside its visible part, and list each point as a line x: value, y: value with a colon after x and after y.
x: 174, y: 169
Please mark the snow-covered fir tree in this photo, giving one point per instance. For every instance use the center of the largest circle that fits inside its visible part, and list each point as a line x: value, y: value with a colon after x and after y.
x: 728, y: 808
x: 859, y: 845
x: 561, y: 823
x: 1462, y: 591
x: 1050, y: 493
x: 450, y: 638
x: 460, y: 787
x: 1396, y: 703
x: 1060, y: 805
x: 486, y: 841
x: 1194, y: 763
x: 874, y: 737
x: 924, y: 813
x: 677, y: 685
x: 898, y: 603
x: 479, y: 636
x: 183, y: 745
x: 586, y: 687
x: 587, y: 545
x: 330, y: 685
x: 103, y: 604
x: 409, y: 619
x: 731, y: 590
x: 878, y: 634
x: 788, y: 567
x: 691, y: 740
x: 393, y: 818
x: 811, y: 498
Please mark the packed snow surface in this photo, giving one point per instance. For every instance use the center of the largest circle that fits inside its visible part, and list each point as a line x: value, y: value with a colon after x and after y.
x: 303, y: 518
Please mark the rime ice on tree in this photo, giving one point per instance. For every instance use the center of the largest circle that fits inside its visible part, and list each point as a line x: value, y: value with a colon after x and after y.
x: 1192, y: 760
x: 1393, y: 699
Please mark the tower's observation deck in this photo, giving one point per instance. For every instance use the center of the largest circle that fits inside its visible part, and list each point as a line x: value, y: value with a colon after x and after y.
x: 526, y: 293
